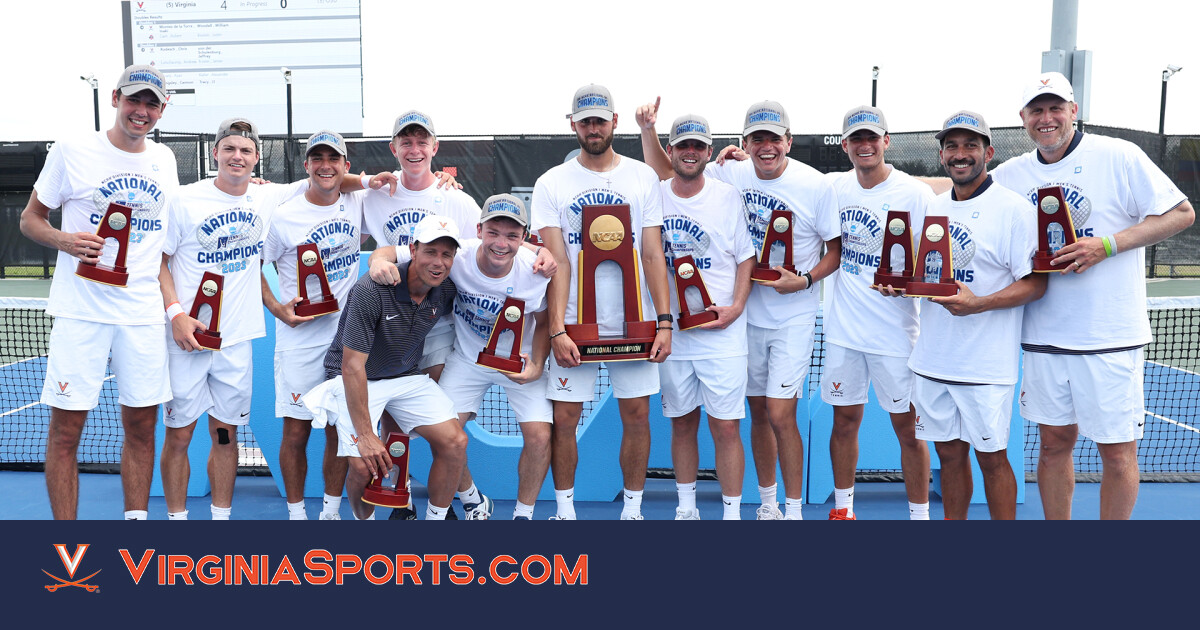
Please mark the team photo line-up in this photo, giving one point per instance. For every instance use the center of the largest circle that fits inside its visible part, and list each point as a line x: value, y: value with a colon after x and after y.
x: 712, y: 302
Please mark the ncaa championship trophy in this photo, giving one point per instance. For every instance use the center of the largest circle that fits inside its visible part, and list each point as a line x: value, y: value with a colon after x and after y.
x: 1055, y: 228
x: 209, y: 293
x: 114, y: 224
x: 606, y: 238
x: 511, y: 317
x: 934, y: 258
x: 779, y: 230
x: 376, y: 493
x: 308, y: 264
x: 687, y: 275
x: 899, y: 232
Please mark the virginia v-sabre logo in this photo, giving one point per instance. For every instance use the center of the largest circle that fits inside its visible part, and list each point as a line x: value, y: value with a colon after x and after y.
x: 71, y: 562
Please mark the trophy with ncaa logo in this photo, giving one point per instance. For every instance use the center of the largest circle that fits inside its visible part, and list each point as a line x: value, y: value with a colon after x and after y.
x: 779, y: 230
x: 308, y: 264
x: 398, y: 496
x: 115, y: 224
x: 898, y: 232
x: 209, y: 293
x: 687, y: 275
x: 511, y: 317
x: 934, y: 258
x: 606, y: 238
x: 1055, y: 228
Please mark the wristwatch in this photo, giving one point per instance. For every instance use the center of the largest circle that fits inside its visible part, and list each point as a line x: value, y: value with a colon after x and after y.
x: 666, y: 317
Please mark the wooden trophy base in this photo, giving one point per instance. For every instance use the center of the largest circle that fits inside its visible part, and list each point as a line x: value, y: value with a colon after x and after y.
x: 767, y: 274
x: 898, y: 283
x: 397, y: 497
x: 114, y: 276
x: 1041, y: 263
x: 688, y: 321
x: 209, y: 341
x: 931, y: 289
x: 500, y: 364
x: 326, y: 305
x: 635, y: 345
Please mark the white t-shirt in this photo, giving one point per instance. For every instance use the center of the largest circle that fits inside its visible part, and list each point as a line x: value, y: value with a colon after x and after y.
x: 214, y: 231
x: 559, y: 196
x: 993, y: 238
x: 857, y: 316
x: 336, y: 230
x: 480, y: 297
x: 1109, y: 185
x: 711, y: 228
x: 82, y: 177
x: 391, y: 219
x: 810, y: 197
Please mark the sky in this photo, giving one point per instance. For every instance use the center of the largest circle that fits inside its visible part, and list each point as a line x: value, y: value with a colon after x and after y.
x: 492, y: 67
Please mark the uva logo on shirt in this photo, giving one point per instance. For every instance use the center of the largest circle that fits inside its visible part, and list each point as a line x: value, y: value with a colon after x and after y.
x: 1080, y: 205
x: 135, y: 191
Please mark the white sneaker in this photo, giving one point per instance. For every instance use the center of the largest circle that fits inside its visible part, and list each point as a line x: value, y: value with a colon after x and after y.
x: 481, y: 511
x: 330, y: 516
x: 767, y: 512
x: 687, y: 515
x: 557, y: 517
x: 632, y: 517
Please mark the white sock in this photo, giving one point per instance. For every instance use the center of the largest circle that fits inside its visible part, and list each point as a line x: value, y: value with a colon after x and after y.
x: 371, y: 517
x: 435, y: 513
x: 523, y: 510
x: 566, y: 502
x: 793, y: 510
x: 177, y: 516
x: 331, y: 504
x: 687, y: 495
x: 844, y: 498
x: 296, y: 511
x: 470, y: 496
x: 733, y: 508
x: 136, y: 515
x: 768, y: 494
x: 633, y: 503
x: 918, y: 511
x: 220, y: 513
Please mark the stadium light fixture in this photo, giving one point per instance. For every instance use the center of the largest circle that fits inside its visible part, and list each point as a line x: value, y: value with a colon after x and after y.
x: 1162, y: 106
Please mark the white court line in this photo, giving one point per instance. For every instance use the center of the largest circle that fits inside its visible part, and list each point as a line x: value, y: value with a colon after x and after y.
x: 34, y: 404
x: 21, y: 361
x: 1174, y: 422
x: 1177, y: 369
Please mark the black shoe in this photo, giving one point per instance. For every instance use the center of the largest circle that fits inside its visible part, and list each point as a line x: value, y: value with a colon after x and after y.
x: 403, y: 514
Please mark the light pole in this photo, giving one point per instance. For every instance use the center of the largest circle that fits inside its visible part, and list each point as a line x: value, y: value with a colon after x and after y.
x: 874, y: 83
x: 91, y: 80
x: 287, y: 147
x: 1162, y: 108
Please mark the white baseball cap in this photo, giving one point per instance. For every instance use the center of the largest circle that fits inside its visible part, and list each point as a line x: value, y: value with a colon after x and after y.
x: 433, y: 227
x: 1049, y: 83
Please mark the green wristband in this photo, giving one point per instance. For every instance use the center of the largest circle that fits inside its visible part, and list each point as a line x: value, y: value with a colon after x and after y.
x: 1108, y: 246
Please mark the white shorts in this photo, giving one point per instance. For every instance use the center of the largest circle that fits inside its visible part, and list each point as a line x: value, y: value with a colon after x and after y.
x: 412, y: 401
x: 216, y: 383
x: 718, y: 384
x: 779, y: 360
x: 977, y: 414
x: 630, y: 379
x: 80, y: 350
x: 437, y: 349
x: 849, y: 372
x: 1102, y: 393
x: 466, y: 383
x: 297, y: 371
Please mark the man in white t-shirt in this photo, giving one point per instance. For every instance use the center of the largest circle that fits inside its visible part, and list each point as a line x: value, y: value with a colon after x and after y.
x: 780, y: 314
x: 868, y: 339
x: 967, y: 354
x: 83, y: 177
x: 332, y: 220
x: 598, y: 176
x: 1083, y: 341
x: 702, y: 218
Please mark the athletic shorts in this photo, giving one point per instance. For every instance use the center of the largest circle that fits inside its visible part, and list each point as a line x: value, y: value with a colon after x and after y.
x: 848, y: 373
x: 465, y: 383
x: 630, y: 379
x: 977, y: 414
x: 437, y: 349
x: 216, y: 383
x: 718, y: 384
x: 297, y: 371
x: 779, y: 360
x: 81, y: 350
x: 1102, y: 393
x: 413, y: 401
